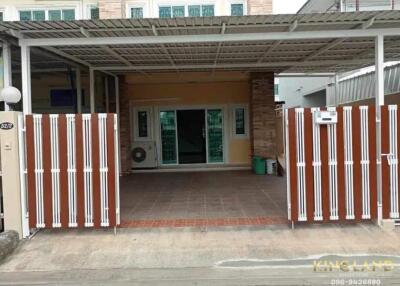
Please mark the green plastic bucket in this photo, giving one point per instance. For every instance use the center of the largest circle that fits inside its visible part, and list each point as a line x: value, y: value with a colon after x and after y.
x: 258, y: 165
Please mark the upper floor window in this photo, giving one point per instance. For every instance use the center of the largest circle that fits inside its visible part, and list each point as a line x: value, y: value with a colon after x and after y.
x: 35, y: 15
x: 137, y: 12
x: 201, y: 10
x: 237, y: 10
x: 64, y: 14
x: 1, y: 16
x: 94, y: 12
x: 52, y: 15
x: 171, y: 11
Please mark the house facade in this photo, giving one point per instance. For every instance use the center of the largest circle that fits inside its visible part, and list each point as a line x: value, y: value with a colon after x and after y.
x: 178, y: 119
x: 193, y: 92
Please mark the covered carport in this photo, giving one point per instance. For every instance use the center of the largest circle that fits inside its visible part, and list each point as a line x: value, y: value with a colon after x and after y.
x: 286, y: 45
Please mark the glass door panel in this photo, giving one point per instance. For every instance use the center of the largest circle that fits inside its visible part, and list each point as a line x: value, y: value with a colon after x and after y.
x: 168, y: 136
x: 215, y: 133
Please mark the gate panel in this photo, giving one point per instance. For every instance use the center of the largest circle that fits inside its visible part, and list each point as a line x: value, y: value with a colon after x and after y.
x: 30, y: 165
x: 357, y: 181
x: 324, y: 172
x: 348, y: 161
x: 95, y: 172
x: 340, y: 167
x: 385, y: 165
x: 301, y: 170
x: 55, y: 170
x: 393, y: 162
x: 80, y: 185
x: 317, y: 169
x: 71, y: 170
x: 47, y: 178
x: 293, y: 164
x: 332, y: 167
x: 111, y: 162
x: 372, y: 158
x: 332, y: 151
x: 64, y: 171
x: 308, y: 141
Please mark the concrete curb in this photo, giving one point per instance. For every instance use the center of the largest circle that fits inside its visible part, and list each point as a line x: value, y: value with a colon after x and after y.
x: 8, y: 242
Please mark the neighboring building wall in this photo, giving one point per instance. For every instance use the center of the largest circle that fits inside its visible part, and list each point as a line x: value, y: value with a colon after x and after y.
x: 294, y: 91
x: 111, y: 9
x: 361, y: 88
x: 259, y: 7
x: 262, y: 115
x: 186, y: 90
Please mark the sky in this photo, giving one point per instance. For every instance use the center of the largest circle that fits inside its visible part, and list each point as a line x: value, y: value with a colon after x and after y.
x: 287, y: 6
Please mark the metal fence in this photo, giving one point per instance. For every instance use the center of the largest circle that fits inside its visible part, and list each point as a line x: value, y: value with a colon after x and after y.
x: 332, y: 167
x: 72, y: 170
x: 363, y: 87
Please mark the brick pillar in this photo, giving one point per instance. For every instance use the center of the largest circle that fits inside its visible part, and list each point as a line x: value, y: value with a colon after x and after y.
x: 111, y: 9
x: 259, y: 7
x: 124, y: 128
x: 262, y: 115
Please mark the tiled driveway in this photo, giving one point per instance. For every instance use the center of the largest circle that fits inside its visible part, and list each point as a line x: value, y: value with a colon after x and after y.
x: 198, y: 198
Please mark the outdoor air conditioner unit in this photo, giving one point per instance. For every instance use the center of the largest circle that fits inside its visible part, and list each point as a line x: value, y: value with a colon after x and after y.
x: 144, y: 155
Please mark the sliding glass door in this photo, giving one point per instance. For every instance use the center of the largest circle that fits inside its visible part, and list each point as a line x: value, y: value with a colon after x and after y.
x: 168, y: 137
x: 215, y: 136
x: 183, y: 130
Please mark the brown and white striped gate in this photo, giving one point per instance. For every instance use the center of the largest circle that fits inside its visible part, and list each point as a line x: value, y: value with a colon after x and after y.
x: 332, y: 167
x: 72, y: 170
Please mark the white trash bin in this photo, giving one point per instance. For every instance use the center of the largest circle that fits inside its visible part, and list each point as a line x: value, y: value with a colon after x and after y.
x: 271, y: 166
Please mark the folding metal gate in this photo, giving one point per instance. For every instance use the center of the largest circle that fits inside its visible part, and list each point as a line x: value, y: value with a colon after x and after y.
x: 332, y: 167
x: 72, y: 170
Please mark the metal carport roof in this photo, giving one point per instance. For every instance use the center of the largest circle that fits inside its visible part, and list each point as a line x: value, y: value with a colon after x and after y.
x: 308, y: 43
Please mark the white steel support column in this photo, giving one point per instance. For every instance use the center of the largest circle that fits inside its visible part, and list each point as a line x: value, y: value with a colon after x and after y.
x: 7, y: 69
x: 92, y: 91
x: 78, y: 90
x: 379, y: 101
x: 336, y: 90
x: 117, y: 110
x: 116, y: 80
x: 26, y: 79
x: 107, y: 94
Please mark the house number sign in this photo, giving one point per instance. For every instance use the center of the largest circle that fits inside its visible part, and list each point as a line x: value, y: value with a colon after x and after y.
x: 6, y: 125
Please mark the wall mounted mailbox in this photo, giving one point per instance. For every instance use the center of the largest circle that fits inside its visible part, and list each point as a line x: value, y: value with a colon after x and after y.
x: 325, y: 117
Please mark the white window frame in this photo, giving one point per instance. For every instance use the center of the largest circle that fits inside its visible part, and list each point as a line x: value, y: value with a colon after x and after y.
x: 135, y: 121
x: 243, y: 2
x: 246, y: 121
x: 206, y: 3
x: 88, y: 7
x: 170, y: 4
x: 129, y: 5
x: 46, y: 10
x: 185, y: 4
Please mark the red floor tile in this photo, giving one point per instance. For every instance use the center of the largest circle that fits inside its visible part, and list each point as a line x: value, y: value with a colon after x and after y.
x: 203, y: 222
